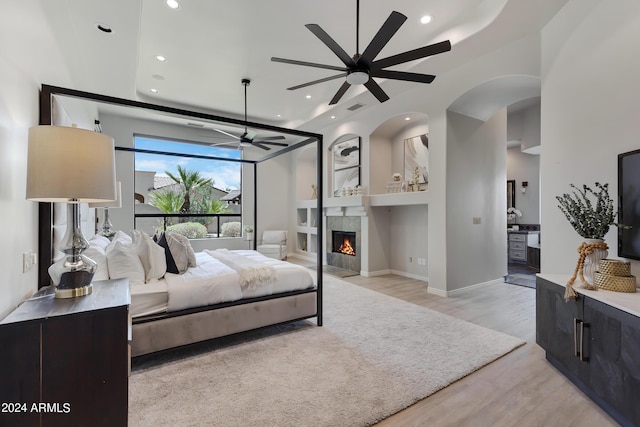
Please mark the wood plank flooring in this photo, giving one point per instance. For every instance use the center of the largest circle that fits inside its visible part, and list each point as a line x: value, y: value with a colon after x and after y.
x: 519, y: 389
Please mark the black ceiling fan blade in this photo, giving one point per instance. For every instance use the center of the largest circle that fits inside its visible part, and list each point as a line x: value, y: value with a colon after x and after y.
x: 340, y: 93
x: 326, y: 79
x: 412, y: 55
x: 257, y: 144
x: 279, y: 144
x: 402, y: 75
x: 308, y: 64
x: 331, y: 44
x: 376, y: 90
x: 380, y: 40
x: 272, y: 138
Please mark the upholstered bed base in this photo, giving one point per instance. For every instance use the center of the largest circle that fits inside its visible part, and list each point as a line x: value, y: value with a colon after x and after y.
x: 174, y: 331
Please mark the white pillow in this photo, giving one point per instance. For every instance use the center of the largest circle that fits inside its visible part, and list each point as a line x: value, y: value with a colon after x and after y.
x: 123, y: 262
x: 100, y: 241
x: 151, y: 256
x: 98, y: 254
x: 121, y: 237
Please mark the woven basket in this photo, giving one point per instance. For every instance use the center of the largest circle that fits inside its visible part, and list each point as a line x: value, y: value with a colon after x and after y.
x: 615, y: 267
x: 615, y: 283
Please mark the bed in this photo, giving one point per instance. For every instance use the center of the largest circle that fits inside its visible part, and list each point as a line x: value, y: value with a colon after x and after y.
x: 218, y: 294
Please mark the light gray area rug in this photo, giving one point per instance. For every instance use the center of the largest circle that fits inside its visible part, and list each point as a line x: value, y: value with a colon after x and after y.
x: 375, y: 356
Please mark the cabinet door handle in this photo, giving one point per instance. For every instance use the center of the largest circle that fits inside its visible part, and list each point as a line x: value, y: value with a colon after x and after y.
x: 576, y: 351
x: 582, y: 356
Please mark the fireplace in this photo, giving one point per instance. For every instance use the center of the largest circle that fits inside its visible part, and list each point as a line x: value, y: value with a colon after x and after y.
x: 344, y: 242
x: 342, y: 232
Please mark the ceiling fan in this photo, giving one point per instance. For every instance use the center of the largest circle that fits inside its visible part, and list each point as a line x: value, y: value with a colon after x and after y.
x: 360, y: 68
x: 249, y: 137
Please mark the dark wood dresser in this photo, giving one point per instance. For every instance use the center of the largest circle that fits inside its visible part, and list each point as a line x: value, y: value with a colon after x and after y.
x: 65, y: 362
x: 594, y: 341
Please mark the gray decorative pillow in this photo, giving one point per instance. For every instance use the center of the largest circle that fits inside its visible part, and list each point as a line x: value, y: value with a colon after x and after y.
x: 178, y: 250
x: 184, y: 241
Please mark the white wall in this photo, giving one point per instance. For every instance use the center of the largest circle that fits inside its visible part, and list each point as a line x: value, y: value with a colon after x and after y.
x: 525, y: 167
x: 476, y: 172
x: 27, y: 58
x: 590, y: 112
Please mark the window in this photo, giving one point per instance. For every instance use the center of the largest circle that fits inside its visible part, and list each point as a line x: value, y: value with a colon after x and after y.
x: 194, y: 189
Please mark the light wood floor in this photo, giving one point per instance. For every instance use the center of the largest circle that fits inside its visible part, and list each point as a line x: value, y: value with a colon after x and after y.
x: 519, y: 389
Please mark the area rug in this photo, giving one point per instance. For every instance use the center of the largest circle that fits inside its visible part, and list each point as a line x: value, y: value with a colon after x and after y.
x: 528, y: 280
x: 374, y: 356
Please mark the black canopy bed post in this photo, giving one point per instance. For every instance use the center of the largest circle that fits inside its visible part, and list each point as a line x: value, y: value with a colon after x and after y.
x: 160, y: 331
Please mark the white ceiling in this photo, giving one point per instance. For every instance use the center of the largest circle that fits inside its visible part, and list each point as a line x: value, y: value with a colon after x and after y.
x: 210, y: 45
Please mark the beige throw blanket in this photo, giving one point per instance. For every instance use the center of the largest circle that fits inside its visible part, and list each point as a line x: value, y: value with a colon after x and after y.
x: 251, y: 273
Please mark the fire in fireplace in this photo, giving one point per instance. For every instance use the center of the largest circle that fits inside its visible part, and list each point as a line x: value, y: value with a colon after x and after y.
x: 344, y: 242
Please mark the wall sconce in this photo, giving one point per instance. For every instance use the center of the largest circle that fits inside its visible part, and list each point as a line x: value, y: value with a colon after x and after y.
x: 525, y: 184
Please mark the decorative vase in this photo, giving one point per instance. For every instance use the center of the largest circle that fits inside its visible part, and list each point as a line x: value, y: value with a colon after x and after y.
x: 249, y: 235
x: 592, y: 260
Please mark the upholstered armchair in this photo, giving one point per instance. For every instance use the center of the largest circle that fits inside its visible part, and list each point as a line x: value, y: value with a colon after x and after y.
x: 273, y: 244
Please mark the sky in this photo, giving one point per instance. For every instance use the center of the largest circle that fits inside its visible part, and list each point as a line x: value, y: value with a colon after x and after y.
x: 225, y: 175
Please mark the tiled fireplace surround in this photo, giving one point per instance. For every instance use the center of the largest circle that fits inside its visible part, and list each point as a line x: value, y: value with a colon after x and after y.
x: 344, y: 223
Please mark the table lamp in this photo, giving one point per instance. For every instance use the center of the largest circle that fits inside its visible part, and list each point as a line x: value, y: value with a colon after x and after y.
x: 117, y: 203
x: 71, y: 165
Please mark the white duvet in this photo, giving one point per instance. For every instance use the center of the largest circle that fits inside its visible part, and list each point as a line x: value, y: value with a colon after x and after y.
x: 213, y: 282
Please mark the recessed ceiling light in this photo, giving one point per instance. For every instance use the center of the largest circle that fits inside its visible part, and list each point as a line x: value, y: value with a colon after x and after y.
x: 333, y: 117
x: 158, y: 77
x: 308, y: 97
x: 173, y: 4
x: 425, y: 19
x: 160, y: 58
x: 407, y: 118
x: 104, y: 28
x: 153, y: 90
x: 278, y: 115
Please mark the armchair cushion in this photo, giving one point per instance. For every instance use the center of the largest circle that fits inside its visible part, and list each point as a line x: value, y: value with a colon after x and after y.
x: 273, y: 244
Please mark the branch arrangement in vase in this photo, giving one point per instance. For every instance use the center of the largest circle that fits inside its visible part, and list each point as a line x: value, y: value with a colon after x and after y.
x: 590, y: 218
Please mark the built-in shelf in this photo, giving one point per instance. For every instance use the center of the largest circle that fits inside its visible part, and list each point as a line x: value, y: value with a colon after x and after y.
x: 387, y: 199
x: 306, y: 226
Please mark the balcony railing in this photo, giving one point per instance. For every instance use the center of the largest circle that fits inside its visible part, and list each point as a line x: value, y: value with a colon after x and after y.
x: 213, y: 227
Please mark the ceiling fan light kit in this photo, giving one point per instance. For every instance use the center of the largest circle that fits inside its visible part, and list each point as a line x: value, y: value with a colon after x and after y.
x: 361, y: 68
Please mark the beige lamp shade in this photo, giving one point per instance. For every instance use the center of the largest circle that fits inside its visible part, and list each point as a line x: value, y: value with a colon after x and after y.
x: 117, y: 203
x: 67, y: 164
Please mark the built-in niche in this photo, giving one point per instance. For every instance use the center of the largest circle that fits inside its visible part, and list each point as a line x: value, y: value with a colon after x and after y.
x: 346, y: 167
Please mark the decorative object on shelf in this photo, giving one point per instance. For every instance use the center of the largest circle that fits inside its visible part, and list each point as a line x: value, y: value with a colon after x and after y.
x: 513, y: 214
x: 591, y: 219
x: 314, y: 192
x: 71, y: 165
x: 397, y: 177
x: 393, y: 187
x: 346, y: 165
x: 117, y: 203
x: 615, y: 275
x: 416, y: 159
x: 248, y: 230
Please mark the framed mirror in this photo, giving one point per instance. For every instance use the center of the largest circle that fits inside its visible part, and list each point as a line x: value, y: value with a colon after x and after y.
x: 511, y: 193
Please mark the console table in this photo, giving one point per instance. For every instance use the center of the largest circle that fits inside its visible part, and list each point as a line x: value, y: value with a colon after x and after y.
x: 65, y: 362
x: 594, y: 341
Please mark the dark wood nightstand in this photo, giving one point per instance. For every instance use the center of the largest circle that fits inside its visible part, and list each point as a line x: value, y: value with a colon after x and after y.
x: 66, y: 361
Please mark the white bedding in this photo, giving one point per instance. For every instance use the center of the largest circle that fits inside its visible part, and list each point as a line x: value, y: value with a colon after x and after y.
x: 213, y: 282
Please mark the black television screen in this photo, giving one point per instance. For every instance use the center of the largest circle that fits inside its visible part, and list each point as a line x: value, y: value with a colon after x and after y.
x: 629, y: 204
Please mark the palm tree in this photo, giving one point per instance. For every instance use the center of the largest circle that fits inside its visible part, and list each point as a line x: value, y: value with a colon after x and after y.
x: 190, y: 180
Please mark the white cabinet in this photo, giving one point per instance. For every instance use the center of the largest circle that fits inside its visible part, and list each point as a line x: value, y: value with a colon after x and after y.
x: 306, y: 227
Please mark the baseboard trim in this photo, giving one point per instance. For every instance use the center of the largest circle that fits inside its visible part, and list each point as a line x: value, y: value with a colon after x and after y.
x: 374, y: 273
x: 444, y: 293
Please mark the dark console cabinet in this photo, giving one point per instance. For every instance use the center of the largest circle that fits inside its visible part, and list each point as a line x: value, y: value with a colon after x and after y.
x: 65, y: 362
x: 594, y: 344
